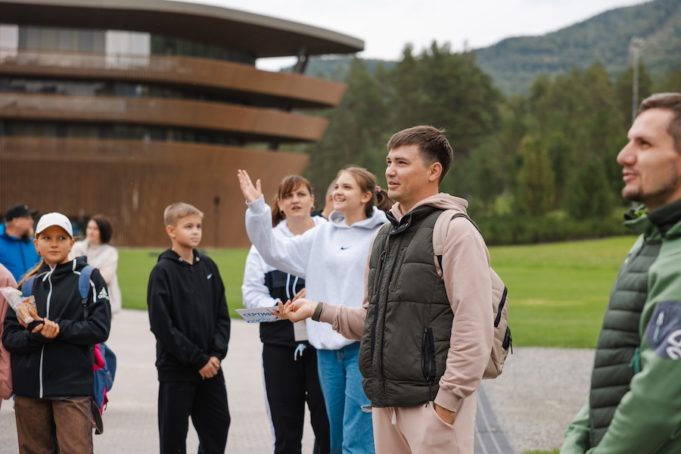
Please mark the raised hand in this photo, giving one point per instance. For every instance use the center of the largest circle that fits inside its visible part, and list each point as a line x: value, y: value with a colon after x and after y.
x: 251, y: 193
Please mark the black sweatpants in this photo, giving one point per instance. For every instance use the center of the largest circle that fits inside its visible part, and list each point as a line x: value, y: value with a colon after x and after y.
x: 205, y: 402
x: 290, y: 383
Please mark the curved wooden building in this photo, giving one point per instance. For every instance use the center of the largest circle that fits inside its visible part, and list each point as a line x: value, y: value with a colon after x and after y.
x: 124, y: 106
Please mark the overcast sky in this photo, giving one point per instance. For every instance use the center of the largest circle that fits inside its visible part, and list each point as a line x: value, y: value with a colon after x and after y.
x: 386, y: 25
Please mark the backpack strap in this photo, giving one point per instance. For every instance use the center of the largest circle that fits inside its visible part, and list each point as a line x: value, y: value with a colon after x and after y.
x: 84, y: 281
x: 27, y: 286
x: 440, y: 231
x: 84, y: 286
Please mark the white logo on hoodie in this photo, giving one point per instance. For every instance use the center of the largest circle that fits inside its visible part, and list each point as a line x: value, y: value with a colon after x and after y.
x: 103, y: 295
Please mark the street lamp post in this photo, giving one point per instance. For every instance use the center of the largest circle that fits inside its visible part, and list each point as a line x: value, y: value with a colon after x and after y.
x: 635, y: 46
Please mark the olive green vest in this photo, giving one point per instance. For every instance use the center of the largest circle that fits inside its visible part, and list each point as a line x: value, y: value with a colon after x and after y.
x: 409, y: 320
x: 616, y: 351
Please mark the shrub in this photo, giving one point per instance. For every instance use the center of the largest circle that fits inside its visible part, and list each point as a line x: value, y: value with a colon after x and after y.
x: 524, y: 229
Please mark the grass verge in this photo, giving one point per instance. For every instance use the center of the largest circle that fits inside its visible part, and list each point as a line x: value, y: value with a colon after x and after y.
x: 558, y: 292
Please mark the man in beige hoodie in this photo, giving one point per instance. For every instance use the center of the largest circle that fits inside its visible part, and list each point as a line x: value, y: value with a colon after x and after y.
x: 425, y: 327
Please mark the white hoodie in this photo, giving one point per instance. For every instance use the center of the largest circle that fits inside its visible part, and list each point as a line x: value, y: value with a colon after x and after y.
x: 330, y: 257
x: 253, y: 290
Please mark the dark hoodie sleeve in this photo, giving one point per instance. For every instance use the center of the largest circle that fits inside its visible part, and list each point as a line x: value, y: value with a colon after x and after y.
x: 95, y: 328
x: 17, y: 339
x: 222, y: 320
x: 170, y: 338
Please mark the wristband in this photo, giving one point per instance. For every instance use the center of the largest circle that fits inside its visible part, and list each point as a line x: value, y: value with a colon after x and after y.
x: 318, y: 311
x: 34, y: 324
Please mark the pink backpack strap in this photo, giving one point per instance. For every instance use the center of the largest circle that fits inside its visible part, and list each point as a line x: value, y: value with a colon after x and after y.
x: 99, y: 358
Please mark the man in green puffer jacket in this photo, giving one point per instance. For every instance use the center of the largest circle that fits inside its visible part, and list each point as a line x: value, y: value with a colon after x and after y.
x: 634, y: 404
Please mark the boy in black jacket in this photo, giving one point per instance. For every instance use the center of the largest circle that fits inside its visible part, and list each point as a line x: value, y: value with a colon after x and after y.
x: 188, y: 315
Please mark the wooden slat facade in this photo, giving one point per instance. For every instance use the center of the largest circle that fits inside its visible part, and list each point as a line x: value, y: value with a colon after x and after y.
x: 46, y: 162
x: 262, y: 87
x: 133, y: 181
x: 255, y: 123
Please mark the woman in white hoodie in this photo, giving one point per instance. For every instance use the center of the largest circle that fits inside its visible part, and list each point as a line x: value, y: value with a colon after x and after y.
x: 331, y: 258
x: 289, y: 362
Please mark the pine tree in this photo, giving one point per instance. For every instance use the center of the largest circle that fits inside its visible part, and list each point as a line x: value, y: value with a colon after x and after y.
x: 588, y: 195
x: 535, y: 192
x: 356, y: 132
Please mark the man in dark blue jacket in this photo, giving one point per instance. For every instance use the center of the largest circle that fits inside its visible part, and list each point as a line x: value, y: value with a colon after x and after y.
x: 17, y: 252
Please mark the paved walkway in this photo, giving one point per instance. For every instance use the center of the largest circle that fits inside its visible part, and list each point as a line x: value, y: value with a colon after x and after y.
x: 130, y: 421
x: 539, y: 393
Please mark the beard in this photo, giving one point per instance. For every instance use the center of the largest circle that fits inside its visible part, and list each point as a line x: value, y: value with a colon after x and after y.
x: 658, y: 196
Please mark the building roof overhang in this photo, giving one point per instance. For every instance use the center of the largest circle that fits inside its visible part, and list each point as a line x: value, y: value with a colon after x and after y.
x: 259, y: 35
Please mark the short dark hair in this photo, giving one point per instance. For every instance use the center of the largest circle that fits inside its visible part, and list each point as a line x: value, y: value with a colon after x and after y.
x: 20, y: 210
x: 431, y: 141
x: 667, y: 101
x: 104, y: 226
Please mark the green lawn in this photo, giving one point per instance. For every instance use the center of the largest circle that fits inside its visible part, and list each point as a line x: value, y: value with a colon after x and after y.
x: 558, y: 292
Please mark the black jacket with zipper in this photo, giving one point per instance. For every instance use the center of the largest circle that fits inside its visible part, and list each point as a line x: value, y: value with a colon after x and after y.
x: 283, y: 286
x: 59, y: 367
x: 188, y: 315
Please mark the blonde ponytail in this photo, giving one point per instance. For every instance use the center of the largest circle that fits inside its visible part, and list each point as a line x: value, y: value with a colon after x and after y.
x: 32, y: 272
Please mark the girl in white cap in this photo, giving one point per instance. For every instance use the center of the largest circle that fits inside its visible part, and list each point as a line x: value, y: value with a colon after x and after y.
x: 52, y: 361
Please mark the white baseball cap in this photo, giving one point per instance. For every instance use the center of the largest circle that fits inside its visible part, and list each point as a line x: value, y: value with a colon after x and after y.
x: 50, y: 219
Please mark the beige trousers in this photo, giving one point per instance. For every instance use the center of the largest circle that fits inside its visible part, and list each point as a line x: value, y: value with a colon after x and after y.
x: 419, y: 430
x: 46, y: 426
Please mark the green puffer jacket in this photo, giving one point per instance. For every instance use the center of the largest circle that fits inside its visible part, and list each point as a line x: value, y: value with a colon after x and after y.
x: 648, y: 417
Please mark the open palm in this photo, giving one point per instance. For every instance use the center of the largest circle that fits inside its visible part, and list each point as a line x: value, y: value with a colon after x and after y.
x: 251, y: 192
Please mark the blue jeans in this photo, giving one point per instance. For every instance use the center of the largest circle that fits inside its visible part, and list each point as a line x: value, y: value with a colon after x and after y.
x: 350, y: 426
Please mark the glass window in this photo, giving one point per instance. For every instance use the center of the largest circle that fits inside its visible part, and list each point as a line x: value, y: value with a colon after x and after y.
x: 119, y: 43
x: 130, y: 90
x: 114, y: 131
x: 164, y: 45
x: 9, y: 40
x: 61, y: 39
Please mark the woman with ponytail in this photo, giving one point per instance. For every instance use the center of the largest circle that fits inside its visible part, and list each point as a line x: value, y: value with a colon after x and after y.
x: 331, y: 257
